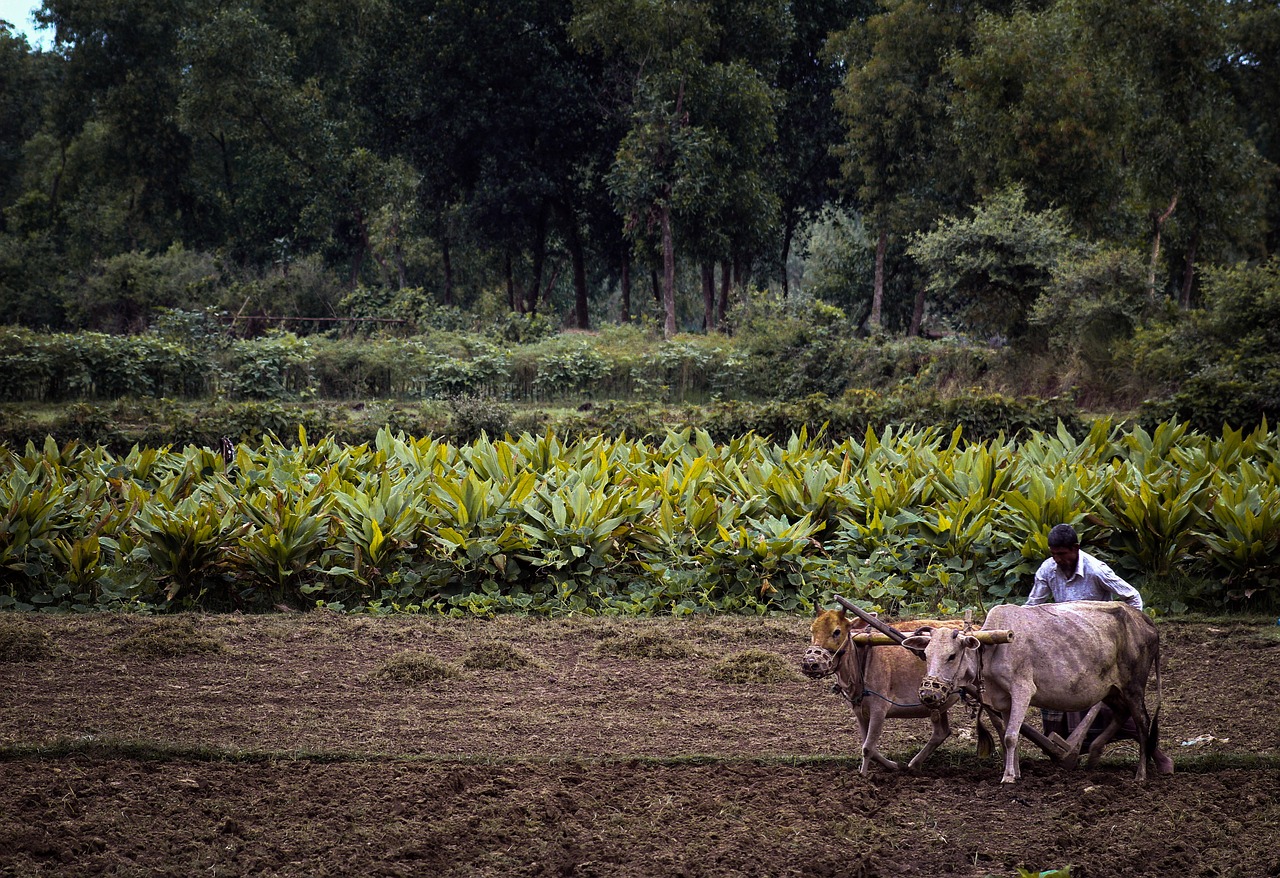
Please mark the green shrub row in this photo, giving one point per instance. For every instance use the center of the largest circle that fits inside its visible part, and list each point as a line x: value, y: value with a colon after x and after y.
x: 120, y: 425
x: 918, y: 521
x: 186, y: 358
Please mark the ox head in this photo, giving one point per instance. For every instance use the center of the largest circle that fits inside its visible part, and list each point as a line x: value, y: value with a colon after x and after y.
x: 946, y: 667
x: 828, y: 639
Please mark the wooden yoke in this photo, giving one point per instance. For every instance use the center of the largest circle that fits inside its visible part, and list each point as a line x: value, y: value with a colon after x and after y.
x: 868, y: 638
x: 889, y: 631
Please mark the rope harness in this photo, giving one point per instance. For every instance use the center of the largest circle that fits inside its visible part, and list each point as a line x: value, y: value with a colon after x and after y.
x: 864, y: 657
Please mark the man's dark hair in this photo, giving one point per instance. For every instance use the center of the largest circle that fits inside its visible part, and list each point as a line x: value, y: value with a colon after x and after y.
x: 1063, y: 536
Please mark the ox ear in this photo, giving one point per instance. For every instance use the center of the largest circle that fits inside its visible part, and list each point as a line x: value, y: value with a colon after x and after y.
x: 917, y: 641
x: 968, y: 641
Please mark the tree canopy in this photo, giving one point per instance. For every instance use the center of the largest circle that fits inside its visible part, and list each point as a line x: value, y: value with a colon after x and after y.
x: 548, y: 156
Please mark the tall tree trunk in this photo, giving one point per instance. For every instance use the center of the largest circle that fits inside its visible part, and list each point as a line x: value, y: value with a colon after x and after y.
x: 626, y: 288
x: 539, y: 261
x: 708, y: 297
x: 1189, y: 269
x: 657, y: 286
x: 726, y: 281
x: 668, y: 276
x: 448, y: 273
x: 1157, y: 222
x: 515, y: 297
x: 788, y: 233
x: 875, y: 319
x: 917, y: 313
x: 580, y: 316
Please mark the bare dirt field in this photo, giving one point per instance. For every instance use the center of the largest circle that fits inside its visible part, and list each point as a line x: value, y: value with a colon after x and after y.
x: 321, y: 744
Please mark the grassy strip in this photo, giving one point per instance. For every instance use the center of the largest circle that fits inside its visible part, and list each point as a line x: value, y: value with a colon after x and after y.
x: 150, y: 751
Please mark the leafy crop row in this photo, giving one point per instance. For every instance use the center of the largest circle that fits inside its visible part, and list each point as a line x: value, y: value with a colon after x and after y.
x: 909, y: 520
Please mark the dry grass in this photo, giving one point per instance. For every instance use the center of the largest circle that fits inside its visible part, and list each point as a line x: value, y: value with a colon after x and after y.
x: 169, y: 638
x: 495, y: 655
x: 754, y: 666
x: 24, y: 642
x: 414, y: 668
x: 644, y: 644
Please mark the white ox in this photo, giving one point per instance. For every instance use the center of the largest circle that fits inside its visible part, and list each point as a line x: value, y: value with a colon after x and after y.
x: 1066, y: 656
x: 879, y: 682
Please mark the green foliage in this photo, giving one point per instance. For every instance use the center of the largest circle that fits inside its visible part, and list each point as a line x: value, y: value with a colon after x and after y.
x: 910, y: 520
x: 989, y: 269
x: 275, y: 367
x: 1221, y: 363
x: 839, y: 261
x: 474, y: 416
x: 122, y: 293
x: 94, y: 366
x: 1094, y: 302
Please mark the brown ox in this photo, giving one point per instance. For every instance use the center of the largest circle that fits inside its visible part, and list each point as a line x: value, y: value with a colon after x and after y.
x: 1066, y: 656
x: 877, y: 681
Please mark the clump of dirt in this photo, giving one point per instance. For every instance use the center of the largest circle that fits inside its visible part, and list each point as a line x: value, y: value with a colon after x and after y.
x: 495, y: 655
x: 644, y: 645
x: 169, y: 639
x: 412, y: 668
x: 23, y: 642
x: 753, y: 666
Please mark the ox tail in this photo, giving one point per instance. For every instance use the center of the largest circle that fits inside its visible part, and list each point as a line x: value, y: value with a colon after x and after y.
x: 986, y: 741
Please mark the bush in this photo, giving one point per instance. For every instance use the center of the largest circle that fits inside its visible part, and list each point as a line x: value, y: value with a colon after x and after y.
x: 987, y: 270
x: 473, y: 416
x: 123, y: 293
x: 1220, y: 364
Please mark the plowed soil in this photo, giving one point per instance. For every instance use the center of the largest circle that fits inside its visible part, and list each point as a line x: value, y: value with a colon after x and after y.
x: 321, y: 744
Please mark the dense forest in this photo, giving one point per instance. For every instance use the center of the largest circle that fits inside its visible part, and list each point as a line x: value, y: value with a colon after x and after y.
x: 1062, y: 176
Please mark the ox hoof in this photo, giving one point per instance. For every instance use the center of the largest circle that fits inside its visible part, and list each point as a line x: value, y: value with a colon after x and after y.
x: 1164, y: 765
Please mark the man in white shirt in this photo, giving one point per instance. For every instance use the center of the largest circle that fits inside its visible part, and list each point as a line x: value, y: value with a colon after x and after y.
x: 1072, y: 575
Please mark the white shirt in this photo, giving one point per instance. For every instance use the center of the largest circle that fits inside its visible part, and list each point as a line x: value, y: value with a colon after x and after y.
x: 1092, y: 580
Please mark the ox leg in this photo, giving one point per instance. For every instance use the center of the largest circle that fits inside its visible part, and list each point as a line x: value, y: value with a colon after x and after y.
x: 871, y: 725
x: 1137, y: 707
x: 941, y: 731
x: 1122, y: 708
x: 1018, y: 703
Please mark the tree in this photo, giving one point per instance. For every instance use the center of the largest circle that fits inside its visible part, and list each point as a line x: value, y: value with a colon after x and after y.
x: 1036, y: 105
x: 1186, y: 147
x: 23, y: 90
x: 281, y: 150
x: 660, y: 168
x: 803, y: 167
x: 989, y: 269
x: 1254, y: 74
x: 498, y: 113
x: 898, y: 159
x: 654, y: 51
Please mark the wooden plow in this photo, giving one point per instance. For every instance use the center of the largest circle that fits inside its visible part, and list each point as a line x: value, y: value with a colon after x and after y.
x: 1065, y: 751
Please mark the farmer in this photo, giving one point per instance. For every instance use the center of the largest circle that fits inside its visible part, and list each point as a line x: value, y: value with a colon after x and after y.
x: 1072, y: 575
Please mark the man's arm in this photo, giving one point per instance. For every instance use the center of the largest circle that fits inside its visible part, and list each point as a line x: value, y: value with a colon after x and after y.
x: 1117, y: 586
x: 1040, y: 593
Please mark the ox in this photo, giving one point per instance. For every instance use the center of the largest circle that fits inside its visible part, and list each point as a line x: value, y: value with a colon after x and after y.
x: 878, y: 681
x: 1067, y: 656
